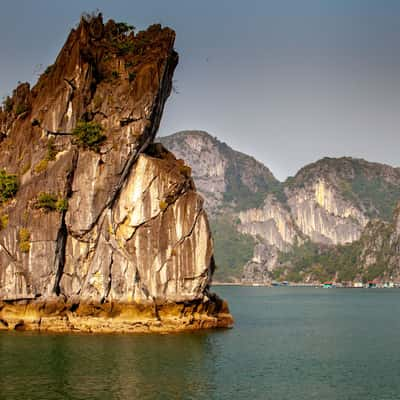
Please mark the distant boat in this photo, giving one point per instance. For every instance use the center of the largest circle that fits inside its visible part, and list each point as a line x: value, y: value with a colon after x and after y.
x: 327, y: 285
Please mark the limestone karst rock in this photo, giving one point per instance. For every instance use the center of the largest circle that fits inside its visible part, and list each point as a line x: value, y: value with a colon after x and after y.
x: 106, y: 231
x: 326, y: 206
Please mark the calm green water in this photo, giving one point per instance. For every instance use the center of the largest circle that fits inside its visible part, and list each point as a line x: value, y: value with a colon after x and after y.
x: 288, y: 343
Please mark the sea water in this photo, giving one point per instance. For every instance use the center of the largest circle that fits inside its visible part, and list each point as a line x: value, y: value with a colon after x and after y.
x: 287, y: 343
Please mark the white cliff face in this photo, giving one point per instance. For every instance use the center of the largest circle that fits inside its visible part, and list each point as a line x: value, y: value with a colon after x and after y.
x: 209, y: 166
x: 323, y: 215
x: 272, y: 223
x: 154, y: 243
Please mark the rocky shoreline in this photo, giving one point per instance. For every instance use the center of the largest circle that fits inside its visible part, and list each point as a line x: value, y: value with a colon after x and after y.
x: 358, y: 285
x: 61, y: 315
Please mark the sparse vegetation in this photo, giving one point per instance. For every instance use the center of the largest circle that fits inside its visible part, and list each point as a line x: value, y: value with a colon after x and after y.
x: 3, y: 221
x: 21, y: 109
x: 41, y: 166
x: 7, y: 104
x: 24, y: 237
x: 125, y: 47
x: 124, y: 29
x: 51, y: 202
x: 51, y: 150
x: 62, y: 204
x: 8, y: 186
x: 48, y: 69
x: 89, y: 135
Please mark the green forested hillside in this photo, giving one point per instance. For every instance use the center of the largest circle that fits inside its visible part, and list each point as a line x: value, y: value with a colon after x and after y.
x: 232, y: 249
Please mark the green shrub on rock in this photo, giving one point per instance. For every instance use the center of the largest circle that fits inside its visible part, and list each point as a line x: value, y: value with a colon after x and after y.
x: 3, y: 221
x: 21, y: 109
x: 8, y: 104
x: 89, y: 135
x: 51, y: 202
x: 8, y: 186
x: 24, y: 239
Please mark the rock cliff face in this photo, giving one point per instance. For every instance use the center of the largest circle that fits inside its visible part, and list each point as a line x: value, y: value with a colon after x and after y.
x: 379, y: 250
x: 106, y: 231
x: 228, y: 179
x: 327, y: 203
x: 321, y: 213
x: 273, y: 223
x: 259, y: 268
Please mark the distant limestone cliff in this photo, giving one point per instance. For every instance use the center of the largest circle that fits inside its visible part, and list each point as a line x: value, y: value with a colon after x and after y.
x: 312, y: 227
x: 101, y: 230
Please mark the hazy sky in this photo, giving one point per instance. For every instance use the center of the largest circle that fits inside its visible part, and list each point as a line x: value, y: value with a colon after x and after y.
x: 287, y: 81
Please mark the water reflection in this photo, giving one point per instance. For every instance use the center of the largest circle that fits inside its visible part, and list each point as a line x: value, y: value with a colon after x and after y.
x: 106, y: 367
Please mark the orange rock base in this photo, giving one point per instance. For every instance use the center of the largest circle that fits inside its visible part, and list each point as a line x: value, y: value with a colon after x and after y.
x: 59, y: 315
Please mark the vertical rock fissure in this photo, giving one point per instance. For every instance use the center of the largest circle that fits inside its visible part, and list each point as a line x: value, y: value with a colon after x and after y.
x: 60, y: 254
x: 149, y: 133
x: 59, y: 260
x: 109, y: 283
x: 155, y: 117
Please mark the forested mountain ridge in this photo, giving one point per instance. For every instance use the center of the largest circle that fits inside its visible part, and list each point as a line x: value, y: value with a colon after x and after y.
x: 263, y: 227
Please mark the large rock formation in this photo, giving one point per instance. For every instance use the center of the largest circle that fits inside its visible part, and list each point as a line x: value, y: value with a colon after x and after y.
x: 106, y: 231
x: 378, y: 250
x: 328, y: 204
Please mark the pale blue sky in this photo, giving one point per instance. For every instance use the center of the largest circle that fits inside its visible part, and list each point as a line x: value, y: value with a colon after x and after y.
x: 286, y: 81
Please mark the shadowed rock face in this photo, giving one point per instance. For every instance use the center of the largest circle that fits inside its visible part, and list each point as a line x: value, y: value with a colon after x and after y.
x: 131, y: 228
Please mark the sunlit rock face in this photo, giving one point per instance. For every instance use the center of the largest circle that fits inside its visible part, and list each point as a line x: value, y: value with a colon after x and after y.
x: 273, y: 223
x: 125, y: 224
x: 322, y: 214
x: 153, y: 243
